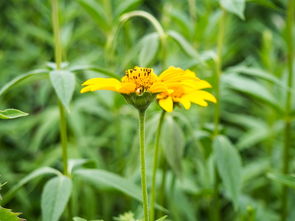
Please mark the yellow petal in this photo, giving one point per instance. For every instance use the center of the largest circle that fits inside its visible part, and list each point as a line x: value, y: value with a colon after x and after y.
x: 200, y: 97
x: 127, y: 88
x: 206, y: 95
x: 166, y: 104
x: 95, y: 84
x: 158, y: 87
x: 185, y: 102
x: 196, y: 85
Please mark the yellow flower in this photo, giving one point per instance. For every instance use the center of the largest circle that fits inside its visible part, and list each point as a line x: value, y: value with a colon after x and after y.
x: 184, y: 88
x: 139, y: 86
x: 137, y: 80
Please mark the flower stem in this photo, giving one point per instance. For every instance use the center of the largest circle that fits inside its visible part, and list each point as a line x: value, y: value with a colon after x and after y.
x: 287, y: 130
x: 155, y: 165
x: 220, y: 42
x: 56, y: 33
x: 142, y: 163
x: 58, y: 60
x: 63, y: 136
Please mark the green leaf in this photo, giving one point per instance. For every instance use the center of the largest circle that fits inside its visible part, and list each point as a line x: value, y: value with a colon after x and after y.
x: 124, y: 6
x: 266, y: 3
x: 39, y: 172
x: 251, y: 87
x: 55, y: 196
x: 173, y: 144
x: 94, y: 68
x: 64, y: 85
x: 20, y: 78
x: 76, y: 163
x: 81, y: 219
x: 148, y: 48
x: 288, y: 180
x: 11, y: 114
x: 255, y: 72
x: 183, y: 43
x: 228, y: 162
x: 236, y: 7
x: 98, y: 14
x: 162, y: 218
x: 102, y: 177
x: 7, y: 215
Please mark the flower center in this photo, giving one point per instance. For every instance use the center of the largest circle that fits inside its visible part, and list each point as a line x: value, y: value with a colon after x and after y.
x: 143, y: 78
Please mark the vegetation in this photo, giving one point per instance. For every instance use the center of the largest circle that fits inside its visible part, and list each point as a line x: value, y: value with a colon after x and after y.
x: 71, y: 156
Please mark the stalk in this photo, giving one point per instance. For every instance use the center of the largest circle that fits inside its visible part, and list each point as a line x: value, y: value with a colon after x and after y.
x: 220, y: 42
x: 218, y: 70
x: 58, y: 60
x: 142, y: 163
x: 155, y: 165
x: 288, y: 107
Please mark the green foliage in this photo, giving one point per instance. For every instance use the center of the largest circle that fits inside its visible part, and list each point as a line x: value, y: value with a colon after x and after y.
x: 64, y: 85
x: 7, y: 215
x: 11, y: 114
x: 288, y: 180
x: 101, y: 177
x: 104, y: 38
x: 229, y: 166
x: 55, y: 196
x: 173, y: 144
x: 234, y: 6
x: 81, y: 219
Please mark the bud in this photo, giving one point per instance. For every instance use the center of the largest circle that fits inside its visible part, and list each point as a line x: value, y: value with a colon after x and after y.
x: 140, y: 101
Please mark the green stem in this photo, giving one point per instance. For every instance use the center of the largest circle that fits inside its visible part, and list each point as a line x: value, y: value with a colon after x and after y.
x: 56, y: 33
x: 63, y: 136
x: 287, y: 130
x: 220, y: 43
x: 163, y: 185
x: 142, y: 163
x: 58, y: 60
x: 155, y: 165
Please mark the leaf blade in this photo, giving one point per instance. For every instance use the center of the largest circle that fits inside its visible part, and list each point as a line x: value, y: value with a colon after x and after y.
x: 55, y: 196
x: 11, y: 114
x: 229, y: 166
x: 63, y: 83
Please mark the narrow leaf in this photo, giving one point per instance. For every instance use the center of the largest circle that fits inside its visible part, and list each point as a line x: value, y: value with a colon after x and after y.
x: 183, y: 43
x: 173, y: 144
x: 55, y: 196
x: 102, y: 177
x: 11, y: 114
x: 288, y: 180
x: 236, y: 7
x: 251, y: 87
x: 125, y: 6
x: 95, y: 10
x: 228, y: 162
x: 8, y: 215
x: 20, y: 78
x: 148, y: 49
x: 64, y: 85
x: 162, y: 218
x: 36, y: 173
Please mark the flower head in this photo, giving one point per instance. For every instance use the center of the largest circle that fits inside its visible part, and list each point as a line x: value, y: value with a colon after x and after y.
x: 184, y: 88
x: 139, y: 86
x: 137, y: 80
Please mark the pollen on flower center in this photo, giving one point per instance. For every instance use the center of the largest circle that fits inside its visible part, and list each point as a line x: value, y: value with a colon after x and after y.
x: 143, y: 78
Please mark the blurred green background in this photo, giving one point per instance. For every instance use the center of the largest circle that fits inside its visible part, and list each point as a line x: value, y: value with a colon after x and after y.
x: 102, y: 128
